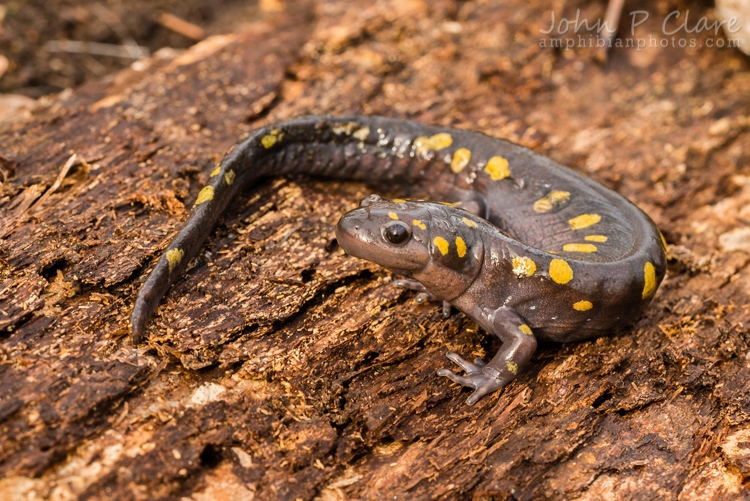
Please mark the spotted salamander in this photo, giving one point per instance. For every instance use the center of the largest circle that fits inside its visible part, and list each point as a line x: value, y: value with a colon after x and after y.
x: 527, y: 248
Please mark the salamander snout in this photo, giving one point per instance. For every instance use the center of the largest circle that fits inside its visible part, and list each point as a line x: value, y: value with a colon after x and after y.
x: 352, y: 234
x: 376, y: 233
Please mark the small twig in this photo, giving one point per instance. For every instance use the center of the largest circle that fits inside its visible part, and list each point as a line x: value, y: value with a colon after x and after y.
x: 111, y: 19
x: 63, y: 172
x: 178, y: 25
x: 3, y: 64
x: 99, y: 49
x: 611, y: 21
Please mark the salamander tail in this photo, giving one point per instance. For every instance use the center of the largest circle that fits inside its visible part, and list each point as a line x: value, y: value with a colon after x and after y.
x: 148, y: 299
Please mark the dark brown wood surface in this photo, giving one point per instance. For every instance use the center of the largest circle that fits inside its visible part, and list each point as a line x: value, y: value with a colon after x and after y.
x: 280, y: 368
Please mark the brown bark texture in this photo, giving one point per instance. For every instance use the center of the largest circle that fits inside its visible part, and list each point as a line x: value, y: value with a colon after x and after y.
x: 280, y: 368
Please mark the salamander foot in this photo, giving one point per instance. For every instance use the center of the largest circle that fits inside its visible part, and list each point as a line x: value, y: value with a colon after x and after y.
x: 423, y: 296
x: 519, y: 344
x: 480, y: 376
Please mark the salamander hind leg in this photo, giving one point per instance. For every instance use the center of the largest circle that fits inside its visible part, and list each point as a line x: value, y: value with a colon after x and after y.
x: 424, y: 296
x: 518, y: 346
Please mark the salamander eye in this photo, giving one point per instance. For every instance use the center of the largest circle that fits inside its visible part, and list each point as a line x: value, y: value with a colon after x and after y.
x: 396, y: 233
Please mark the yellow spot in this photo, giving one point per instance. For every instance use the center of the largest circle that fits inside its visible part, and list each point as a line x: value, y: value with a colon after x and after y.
x: 525, y: 329
x: 460, y: 247
x: 497, y: 168
x: 206, y: 194
x: 216, y: 170
x: 649, y: 275
x: 460, y: 160
x: 362, y: 133
x: 446, y: 203
x: 579, y: 248
x: 512, y: 367
x: 393, y: 216
x: 229, y: 176
x: 584, y: 221
x: 346, y: 128
x: 399, y: 200
x: 436, y: 142
x: 583, y: 305
x: 441, y: 140
x: 272, y: 138
x: 596, y: 238
x: 468, y: 222
x: 663, y: 241
x: 268, y: 141
x: 560, y: 271
x: 441, y: 244
x: 523, y: 267
x: 174, y: 257
x: 419, y: 224
x: 551, y: 200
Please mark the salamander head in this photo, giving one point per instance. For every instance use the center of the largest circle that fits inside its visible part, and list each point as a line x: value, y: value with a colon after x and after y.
x: 434, y: 243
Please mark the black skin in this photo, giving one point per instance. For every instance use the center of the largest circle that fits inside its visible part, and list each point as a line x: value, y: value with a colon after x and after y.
x: 497, y: 220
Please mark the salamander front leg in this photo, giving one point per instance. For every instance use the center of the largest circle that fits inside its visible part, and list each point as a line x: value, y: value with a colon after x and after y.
x: 519, y: 344
x: 472, y: 202
x: 424, y: 296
